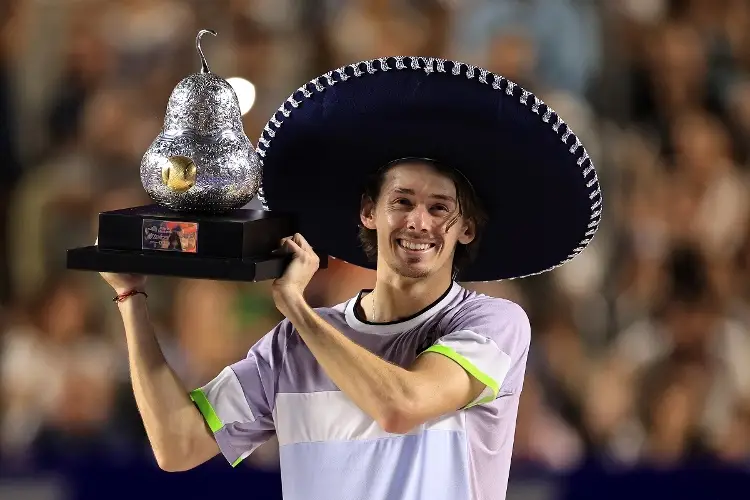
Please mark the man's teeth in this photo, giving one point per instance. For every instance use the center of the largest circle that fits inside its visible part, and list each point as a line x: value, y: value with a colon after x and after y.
x: 415, y: 246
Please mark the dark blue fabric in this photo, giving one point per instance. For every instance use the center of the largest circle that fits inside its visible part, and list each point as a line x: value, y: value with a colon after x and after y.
x: 530, y: 184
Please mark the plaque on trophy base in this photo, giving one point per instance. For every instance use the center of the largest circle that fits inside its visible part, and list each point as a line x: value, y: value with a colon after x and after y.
x: 151, y: 240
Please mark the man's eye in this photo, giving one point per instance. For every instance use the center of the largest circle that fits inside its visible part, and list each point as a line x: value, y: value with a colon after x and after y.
x: 442, y: 208
x: 402, y: 201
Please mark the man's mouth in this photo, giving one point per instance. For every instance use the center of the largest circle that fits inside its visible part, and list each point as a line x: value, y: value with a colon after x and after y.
x: 414, y: 246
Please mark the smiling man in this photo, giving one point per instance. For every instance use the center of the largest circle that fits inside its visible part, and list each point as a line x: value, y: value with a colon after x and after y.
x: 408, y: 391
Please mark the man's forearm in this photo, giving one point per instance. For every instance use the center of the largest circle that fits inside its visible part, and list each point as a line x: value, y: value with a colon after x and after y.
x: 173, y: 424
x: 381, y: 389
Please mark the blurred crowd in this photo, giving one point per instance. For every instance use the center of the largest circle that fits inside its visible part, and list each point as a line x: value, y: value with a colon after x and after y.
x: 641, y: 346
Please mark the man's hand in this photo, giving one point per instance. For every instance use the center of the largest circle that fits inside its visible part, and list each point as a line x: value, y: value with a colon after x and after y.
x: 122, y: 283
x: 305, y: 262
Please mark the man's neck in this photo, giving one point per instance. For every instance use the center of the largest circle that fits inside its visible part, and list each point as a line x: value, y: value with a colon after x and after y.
x: 395, y: 297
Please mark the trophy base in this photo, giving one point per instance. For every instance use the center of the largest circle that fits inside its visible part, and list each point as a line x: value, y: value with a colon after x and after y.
x: 152, y: 240
x: 92, y: 258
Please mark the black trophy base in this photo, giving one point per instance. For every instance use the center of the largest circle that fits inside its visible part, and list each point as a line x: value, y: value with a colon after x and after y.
x: 151, y: 240
x: 92, y: 258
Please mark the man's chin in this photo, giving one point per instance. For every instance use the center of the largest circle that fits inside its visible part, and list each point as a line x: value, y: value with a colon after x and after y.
x: 413, y: 271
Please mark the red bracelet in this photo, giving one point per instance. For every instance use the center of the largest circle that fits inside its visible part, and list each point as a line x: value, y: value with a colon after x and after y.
x: 125, y: 295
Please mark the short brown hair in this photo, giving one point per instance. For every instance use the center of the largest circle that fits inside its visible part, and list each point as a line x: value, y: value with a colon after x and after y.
x: 469, y: 207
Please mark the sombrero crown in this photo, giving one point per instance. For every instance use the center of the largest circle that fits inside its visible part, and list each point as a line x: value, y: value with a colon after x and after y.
x: 530, y: 171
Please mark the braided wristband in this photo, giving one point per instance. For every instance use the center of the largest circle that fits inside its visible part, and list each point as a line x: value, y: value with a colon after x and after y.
x: 123, y: 296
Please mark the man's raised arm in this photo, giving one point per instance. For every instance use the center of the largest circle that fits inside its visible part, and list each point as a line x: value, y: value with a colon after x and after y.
x: 231, y: 414
x: 176, y: 430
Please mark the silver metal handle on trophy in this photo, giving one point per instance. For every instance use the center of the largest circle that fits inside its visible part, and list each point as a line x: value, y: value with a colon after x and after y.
x: 204, y: 65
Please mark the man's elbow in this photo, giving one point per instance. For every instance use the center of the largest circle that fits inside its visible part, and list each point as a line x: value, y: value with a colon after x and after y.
x: 172, y: 463
x: 168, y: 464
x: 400, y: 419
x: 177, y: 460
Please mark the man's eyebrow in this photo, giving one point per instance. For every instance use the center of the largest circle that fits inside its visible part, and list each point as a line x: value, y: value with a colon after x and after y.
x: 444, y: 197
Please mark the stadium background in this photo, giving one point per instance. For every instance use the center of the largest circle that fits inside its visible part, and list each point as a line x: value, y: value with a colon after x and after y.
x: 639, y: 377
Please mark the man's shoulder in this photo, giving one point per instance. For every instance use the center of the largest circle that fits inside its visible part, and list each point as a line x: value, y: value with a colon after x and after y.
x: 331, y: 314
x: 279, y: 337
x: 489, y: 316
x: 470, y: 303
x: 333, y: 311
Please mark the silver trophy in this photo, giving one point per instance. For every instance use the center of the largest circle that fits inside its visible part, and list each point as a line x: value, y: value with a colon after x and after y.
x: 202, y: 161
x: 200, y: 170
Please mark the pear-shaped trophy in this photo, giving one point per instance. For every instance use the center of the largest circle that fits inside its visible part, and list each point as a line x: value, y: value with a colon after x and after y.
x: 202, y: 160
x: 200, y: 171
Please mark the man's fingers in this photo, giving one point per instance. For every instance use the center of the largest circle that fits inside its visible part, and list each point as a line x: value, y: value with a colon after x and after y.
x: 302, y: 242
x: 296, y: 244
x: 294, y: 247
x: 283, y: 247
x: 298, y: 240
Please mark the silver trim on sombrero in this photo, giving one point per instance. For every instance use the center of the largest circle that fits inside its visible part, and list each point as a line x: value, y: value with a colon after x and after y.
x: 497, y: 82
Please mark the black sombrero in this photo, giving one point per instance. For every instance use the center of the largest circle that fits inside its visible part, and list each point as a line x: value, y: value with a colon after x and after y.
x: 532, y: 173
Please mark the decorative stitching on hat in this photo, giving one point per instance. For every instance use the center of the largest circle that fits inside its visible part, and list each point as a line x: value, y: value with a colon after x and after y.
x: 318, y: 86
x: 355, y: 68
x: 304, y: 90
x: 342, y: 74
x: 431, y: 65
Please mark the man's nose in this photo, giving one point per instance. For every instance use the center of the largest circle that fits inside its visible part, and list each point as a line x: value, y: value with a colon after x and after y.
x: 419, y: 219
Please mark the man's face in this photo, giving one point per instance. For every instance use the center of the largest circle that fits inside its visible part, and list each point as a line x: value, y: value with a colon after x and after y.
x: 411, y: 217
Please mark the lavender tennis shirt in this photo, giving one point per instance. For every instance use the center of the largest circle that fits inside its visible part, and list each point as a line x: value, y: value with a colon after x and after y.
x: 332, y: 450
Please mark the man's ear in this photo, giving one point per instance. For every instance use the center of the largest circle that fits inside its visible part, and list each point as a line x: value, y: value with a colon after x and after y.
x: 367, y: 212
x: 469, y: 232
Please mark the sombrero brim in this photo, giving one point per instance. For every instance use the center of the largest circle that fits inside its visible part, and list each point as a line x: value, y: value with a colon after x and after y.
x: 533, y: 175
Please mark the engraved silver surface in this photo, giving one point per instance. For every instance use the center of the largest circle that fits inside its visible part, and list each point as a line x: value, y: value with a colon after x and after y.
x: 203, y: 122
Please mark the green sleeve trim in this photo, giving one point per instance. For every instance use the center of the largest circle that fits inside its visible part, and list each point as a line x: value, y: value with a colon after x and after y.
x: 212, y: 419
x: 238, y: 461
x: 471, y: 369
x: 482, y: 401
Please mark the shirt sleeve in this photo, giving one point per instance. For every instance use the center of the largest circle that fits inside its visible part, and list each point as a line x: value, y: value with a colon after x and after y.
x: 490, y: 340
x: 238, y: 403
